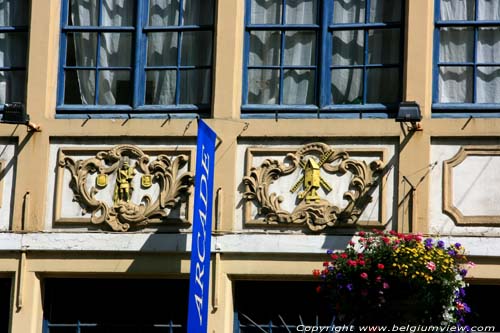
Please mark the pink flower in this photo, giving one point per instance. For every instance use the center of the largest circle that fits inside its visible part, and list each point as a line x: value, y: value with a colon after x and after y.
x: 361, y: 262
x: 364, y: 275
x: 378, y: 278
x: 385, y: 285
x: 431, y: 266
x: 316, y: 272
x: 361, y: 233
x: 343, y: 255
x: 380, y: 266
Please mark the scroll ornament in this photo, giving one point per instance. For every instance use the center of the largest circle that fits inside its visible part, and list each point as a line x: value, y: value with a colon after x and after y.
x: 311, y: 210
x: 123, y: 214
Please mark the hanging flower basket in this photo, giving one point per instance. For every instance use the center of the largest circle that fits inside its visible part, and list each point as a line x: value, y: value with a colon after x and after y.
x: 385, y: 278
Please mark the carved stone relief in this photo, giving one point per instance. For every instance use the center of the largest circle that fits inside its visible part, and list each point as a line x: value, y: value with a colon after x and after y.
x: 313, y: 160
x: 117, y: 171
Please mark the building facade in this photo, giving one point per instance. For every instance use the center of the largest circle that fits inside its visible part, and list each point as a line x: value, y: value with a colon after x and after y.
x: 96, y: 205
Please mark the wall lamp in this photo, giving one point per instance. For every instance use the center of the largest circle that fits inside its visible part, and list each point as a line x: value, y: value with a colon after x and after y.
x: 15, y: 113
x: 409, y: 112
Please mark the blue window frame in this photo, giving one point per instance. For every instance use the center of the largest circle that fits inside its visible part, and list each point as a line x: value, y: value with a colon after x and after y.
x: 135, y: 57
x: 466, y: 58
x: 14, y: 32
x: 328, y: 56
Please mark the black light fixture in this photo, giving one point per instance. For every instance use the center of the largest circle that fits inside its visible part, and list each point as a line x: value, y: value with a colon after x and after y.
x: 15, y: 113
x: 409, y: 112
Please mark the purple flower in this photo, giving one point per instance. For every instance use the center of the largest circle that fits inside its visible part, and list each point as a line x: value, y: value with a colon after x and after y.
x: 440, y: 244
x: 428, y: 242
x: 461, y: 292
x: 339, y: 276
x: 329, y: 251
x: 452, y: 252
x: 458, y: 245
x: 349, y: 286
x: 463, y: 272
x: 331, y: 268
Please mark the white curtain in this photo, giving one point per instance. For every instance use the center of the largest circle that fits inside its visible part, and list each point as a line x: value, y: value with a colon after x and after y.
x: 457, y: 45
x: 13, y: 46
x: 348, y: 49
x: 115, y: 50
x: 299, y: 50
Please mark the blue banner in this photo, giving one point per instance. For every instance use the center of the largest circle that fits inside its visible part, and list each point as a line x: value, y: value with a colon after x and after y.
x: 199, y: 276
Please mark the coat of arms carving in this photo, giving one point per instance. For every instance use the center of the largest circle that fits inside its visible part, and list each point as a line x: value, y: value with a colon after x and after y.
x: 314, y: 162
x: 125, y: 172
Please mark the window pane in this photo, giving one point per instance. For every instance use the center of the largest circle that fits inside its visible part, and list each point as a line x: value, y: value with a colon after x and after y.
x: 349, y: 11
x: 456, y: 45
x: 79, y: 87
x: 160, y: 87
x: 488, y: 45
x: 455, y: 84
x: 265, y: 12
x: 13, y: 49
x: 457, y: 10
x: 385, y: 10
x: 163, y: 12
x: 263, y: 86
x: 195, y: 86
x: 12, y: 85
x: 114, y: 87
x: 14, y: 12
x: 347, y: 86
x: 116, y: 49
x: 301, y: 11
x: 300, y: 47
x: 196, y: 48
x: 118, y: 13
x: 162, y: 49
x: 198, y: 12
x: 488, y: 10
x: 488, y: 85
x: 298, y: 87
x: 347, y: 47
x: 265, y: 48
x: 83, y: 13
x: 383, y: 85
x: 81, y: 49
x: 383, y: 46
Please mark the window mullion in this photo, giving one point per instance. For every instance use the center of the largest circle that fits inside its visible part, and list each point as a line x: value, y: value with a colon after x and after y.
x: 62, y: 54
x: 179, y: 46
x: 139, y: 75
x: 365, y: 50
x: 98, y: 54
x: 325, y: 56
x: 282, y: 54
x: 474, y: 54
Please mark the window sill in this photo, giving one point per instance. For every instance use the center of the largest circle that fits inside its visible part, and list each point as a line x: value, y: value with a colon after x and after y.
x: 127, y: 112
x: 465, y: 110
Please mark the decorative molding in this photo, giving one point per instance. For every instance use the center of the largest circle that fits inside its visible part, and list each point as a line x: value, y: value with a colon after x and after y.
x: 448, y: 207
x: 311, y: 210
x: 121, y: 213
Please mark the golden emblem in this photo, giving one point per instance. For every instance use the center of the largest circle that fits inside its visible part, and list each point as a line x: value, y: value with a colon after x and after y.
x: 102, y: 180
x: 146, y: 181
x: 311, y: 180
x: 123, y: 187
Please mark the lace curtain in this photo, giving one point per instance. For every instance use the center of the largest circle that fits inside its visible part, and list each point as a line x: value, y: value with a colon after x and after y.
x: 457, y: 45
x: 116, y: 50
x: 300, y: 50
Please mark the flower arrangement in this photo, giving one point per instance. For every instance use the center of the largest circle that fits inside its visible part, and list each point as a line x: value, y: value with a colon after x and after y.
x: 391, y: 278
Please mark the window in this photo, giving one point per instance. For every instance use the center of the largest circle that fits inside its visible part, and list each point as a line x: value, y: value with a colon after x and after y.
x: 5, y: 302
x: 323, y: 55
x: 76, y: 305
x: 14, y: 22
x: 278, y: 306
x: 467, y: 55
x: 135, y: 56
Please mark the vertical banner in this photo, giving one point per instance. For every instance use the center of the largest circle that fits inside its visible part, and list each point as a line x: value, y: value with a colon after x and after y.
x: 199, y: 276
